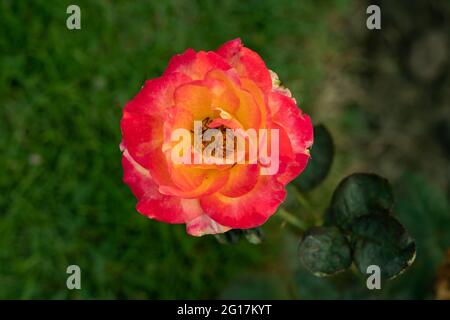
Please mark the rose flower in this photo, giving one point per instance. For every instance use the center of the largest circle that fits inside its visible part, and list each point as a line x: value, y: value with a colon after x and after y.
x: 227, y: 89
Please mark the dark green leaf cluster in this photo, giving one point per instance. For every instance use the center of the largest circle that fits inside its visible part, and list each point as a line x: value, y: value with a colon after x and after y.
x: 359, y: 227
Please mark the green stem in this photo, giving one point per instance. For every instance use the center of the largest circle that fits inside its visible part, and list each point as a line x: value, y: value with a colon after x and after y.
x: 305, y: 203
x: 293, y: 220
x: 302, y: 200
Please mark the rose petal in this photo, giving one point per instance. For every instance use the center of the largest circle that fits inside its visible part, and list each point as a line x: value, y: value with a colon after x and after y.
x: 196, y: 64
x: 248, y: 211
x: 286, y: 115
x: 242, y: 179
x: 151, y: 202
x: 141, y: 123
x: 247, y: 62
x: 298, y: 126
x: 195, y: 98
x: 248, y: 113
x: 204, y: 225
x: 202, y: 184
x: 156, y: 95
x: 141, y: 134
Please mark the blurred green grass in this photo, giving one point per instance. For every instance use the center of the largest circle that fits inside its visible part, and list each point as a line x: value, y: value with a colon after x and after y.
x: 62, y: 198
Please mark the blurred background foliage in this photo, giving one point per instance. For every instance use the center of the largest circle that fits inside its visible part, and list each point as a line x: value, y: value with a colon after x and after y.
x: 383, y: 95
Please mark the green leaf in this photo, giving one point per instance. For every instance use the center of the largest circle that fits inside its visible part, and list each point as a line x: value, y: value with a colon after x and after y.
x: 381, y: 240
x: 360, y: 194
x: 322, y: 153
x: 230, y: 237
x: 328, y: 218
x: 325, y: 251
x: 254, y: 236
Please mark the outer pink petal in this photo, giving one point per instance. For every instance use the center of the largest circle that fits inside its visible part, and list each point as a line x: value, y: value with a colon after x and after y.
x: 298, y: 127
x: 287, y: 114
x: 247, y: 62
x: 204, y: 225
x: 151, y: 202
x: 196, y: 64
x: 141, y: 135
x: 293, y: 168
x: 248, y: 211
x: 156, y: 95
x: 142, y: 119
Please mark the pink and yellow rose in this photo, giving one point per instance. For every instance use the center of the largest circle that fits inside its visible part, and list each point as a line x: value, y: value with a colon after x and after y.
x: 227, y: 88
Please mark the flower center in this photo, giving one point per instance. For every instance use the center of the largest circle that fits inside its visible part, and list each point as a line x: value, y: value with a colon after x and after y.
x: 226, y: 135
